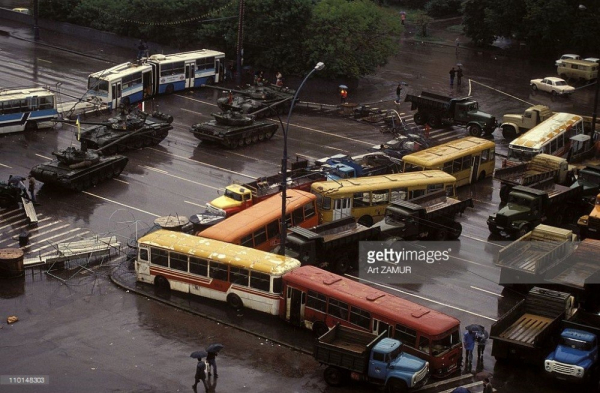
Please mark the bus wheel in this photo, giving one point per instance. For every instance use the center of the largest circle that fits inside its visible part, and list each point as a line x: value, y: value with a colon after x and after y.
x: 481, y: 176
x: 366, y: 221
x: 31, y: 126
x: 170, y: 89
x: 333, y: 376
x: 396, y: 386
x: 474, y: 130
x: 234, y: 301
x: 162, y: 283
x: 319, y: 328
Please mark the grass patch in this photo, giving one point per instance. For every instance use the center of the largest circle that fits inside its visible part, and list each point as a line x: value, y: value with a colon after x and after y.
x: 456, y: 29
x: 428, y: 38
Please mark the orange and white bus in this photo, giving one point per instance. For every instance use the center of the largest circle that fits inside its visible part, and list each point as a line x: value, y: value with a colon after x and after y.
x: 259, y: 225
x: 240, y: 276
x: 365, y: 198
x: 317, y: 299
x: 467, y: 159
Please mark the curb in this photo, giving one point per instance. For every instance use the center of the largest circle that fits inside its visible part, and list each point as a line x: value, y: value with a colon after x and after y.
x: 210, y: 318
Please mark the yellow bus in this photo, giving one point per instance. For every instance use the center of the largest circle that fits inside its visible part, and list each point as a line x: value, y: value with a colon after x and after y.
x: 552, y: 136
x: 365, y: 198
x: 240, y: 276
x: 468, y: 159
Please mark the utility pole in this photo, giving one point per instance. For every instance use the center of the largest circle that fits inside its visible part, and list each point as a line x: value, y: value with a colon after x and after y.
x: 240, y: 42
x: 36, y: 29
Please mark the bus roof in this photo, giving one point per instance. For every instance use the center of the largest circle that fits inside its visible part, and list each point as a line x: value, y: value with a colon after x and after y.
x: 256, y: 216
x: 158, y: 58
x: 373, y: 300
x: 221, y: 252
x: 120, y: 70
x: 539, y: 135
x: 23, y: 92
x: 437, y: 155
x: 382, y: 182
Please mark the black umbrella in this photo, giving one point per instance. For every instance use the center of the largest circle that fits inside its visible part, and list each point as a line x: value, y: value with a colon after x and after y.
x: 214, y: 347
x: 475, y: 328
x: 461, y: 389
x: 199, y: 354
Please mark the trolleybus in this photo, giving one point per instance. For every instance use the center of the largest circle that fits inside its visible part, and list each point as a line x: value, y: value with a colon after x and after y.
x: 240, y: 276
x: 26, y: 109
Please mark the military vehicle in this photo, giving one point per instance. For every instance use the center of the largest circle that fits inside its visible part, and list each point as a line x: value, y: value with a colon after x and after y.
x: 77, y: 169
x: 133, y: 130
x: 9, y: 194
x: 234, y: 129
x: 260, y: 101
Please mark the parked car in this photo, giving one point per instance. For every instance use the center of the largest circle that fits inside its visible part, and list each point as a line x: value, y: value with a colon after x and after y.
x: 568, y: 56
x: 592, y: 59
x: 552, y: 85
x: 22, y: 10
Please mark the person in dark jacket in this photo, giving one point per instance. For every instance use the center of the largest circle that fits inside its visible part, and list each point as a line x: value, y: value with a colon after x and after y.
x: 212, y: 362
x: 452, y: 74
x: 487, y: 386
x: 200, y: 374
x: 469, y: 345
x: 459, y: 75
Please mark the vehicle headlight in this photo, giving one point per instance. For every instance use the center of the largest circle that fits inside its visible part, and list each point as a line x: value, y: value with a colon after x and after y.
x: 548, y: 365
x: 514, y: 224
x: 578, y: 371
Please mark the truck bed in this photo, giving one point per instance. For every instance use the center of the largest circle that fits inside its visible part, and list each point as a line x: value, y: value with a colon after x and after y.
x: 581, y: 267
x: 526, y: 329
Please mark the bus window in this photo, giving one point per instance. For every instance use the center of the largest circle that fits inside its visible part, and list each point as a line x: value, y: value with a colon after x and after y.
x: 198, y: 266
x: 338, y: 309
x: 179, y: 261
x: 560, y: 142
x: 416, y: 193
x: 457, y: 165
x: 277, y: 284
x: 316, y: 301
x: 160, y: 257
x: 259, y: 281
x: 553, y: 145
x: 485, y: 155
x: 424, y: 344
x: 360, y: 199
x: 398, y: 194
x: 448, y: 167
x: 441, y: 346
x: 309, y: 210
x: 247, y: 241
x: 273, y: 229
x: 449, y: 191
x: 205, y: 63
x: 260, y: 236
x: 288, y: 221
x: 218, y: 271
x: 380, y: 197
x: 238, y: 276
x: 406, y: 335
x: 466, y: 162
x: 360, y: 317
x: 143, y: 254
x: 434, y: 187
x: 298, y: 216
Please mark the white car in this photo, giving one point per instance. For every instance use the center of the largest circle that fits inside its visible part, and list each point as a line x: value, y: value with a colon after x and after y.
x: 552, y: 85
x: 568, y: 56
x: 592, y: 59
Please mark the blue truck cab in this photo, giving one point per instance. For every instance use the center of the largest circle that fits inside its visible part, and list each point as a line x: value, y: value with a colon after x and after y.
x: 389, y: 364
x: 575, y: 358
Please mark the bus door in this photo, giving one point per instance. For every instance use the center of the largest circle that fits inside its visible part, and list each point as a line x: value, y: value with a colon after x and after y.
x: 190, y: 74
x: 219, y: 67
x: 380, y: 327
x: 475, y: 169
x: 116, y: 89
x: 294, y: 310
x: 342, y: 208
x: 147, y: 84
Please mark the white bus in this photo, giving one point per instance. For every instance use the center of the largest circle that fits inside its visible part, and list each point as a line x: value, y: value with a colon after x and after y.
x: 26, y: 109
x: 240, y: 276
x: 158, y: 74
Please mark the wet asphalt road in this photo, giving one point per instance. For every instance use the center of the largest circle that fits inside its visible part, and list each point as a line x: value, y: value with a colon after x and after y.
x: 90, y: 333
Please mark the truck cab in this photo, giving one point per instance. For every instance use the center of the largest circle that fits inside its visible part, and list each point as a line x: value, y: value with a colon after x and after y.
x: 392, y: 367
x: 235, y: 199
x: 401, y: 220
x: 466, y: 111
x: 513, y: 125
x: 589, y: 225
x: 521, y: 213
x: 575, y: 358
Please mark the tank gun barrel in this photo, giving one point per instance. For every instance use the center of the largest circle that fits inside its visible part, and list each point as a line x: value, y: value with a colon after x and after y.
x: 92, y: 123
x: 226, y: 90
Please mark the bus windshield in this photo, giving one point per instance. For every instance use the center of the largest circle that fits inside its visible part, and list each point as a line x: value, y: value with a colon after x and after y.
x: 97, y: 84
x: 442, y: 345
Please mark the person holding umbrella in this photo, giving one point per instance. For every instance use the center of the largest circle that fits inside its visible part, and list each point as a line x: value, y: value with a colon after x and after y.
x: 469, y: 345
x: 200, y: 369
x: 343, y: 93
x: 481, y: 339
x: 213, y: 350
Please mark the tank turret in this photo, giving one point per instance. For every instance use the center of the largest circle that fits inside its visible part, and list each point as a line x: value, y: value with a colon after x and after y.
x: 260, y: 101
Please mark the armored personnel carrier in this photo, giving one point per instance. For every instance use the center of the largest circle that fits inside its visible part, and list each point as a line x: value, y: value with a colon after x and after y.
x: 77, y: 169
x: 127, y: 131
x: 260, y: 101
x: 234, y: 129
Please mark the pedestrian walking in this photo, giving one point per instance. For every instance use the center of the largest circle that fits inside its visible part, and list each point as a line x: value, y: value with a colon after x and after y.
x: 230, y: 71
x: 452, y: 74
x: 487, y: 386
x: 343, y: 95
x: 31, y: 188
x: 212, y: 362
x: 457, y: 42
x: 481, y: 340
x: 459, y: 75
x: 398, y: 92
x: 469, y: 345
x: 402, y: 18
x: 279, y: 79
x: 200, y: 374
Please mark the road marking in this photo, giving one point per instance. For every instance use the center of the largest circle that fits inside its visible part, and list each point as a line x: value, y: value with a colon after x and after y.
x: 122, y: 181
x: 39, y: 155
x: 6, y: 166
x: 490, y: 292
x: 474, y: 263
x: 194, y: 112
x: 444, y: 382
x: 78, y: 235
x: 119, y: 203
x: 196, y: 100
x: 194, y: 204
x: 331, y: 134
x: 178, y: 177
x: 421, y: 297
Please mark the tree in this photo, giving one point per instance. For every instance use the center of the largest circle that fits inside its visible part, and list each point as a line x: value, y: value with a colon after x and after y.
x: 476, y: 23
x: 352, y: 38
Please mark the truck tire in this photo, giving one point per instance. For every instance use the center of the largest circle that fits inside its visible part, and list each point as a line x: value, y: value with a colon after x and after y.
x: 419, y: 118
x: 434, y: 121
x: 456, y: 231
x: 341, y: 264
x: 440, y: 235
x: 521, y: 232
x: 509, y: 132
x: 333, y: 376
x: 396, y: 386
x: 366, y: 220
x: 319, y: 328
x: 474, y: 130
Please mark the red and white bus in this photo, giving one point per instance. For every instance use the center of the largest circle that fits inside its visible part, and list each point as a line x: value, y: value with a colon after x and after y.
x: 240, y: 276
x: 317, y: 299
x: 259, y: 225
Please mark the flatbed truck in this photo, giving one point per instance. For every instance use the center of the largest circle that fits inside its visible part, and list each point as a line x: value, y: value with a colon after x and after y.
x: 377, y: 359
x: 527, y: 331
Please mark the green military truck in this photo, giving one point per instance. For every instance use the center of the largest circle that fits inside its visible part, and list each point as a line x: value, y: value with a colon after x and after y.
x: 437, y: 110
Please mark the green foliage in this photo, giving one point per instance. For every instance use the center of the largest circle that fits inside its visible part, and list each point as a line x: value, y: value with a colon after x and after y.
x: 352, y: 38
x: 476, y: 27
x: 439, y: 8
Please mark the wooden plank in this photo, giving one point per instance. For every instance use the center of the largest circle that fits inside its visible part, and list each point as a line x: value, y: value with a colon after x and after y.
x: 526, y: 328
x: 29, y: 211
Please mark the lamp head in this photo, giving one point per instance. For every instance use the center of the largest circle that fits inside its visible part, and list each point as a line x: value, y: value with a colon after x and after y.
x: 582, y: 7
x: 320, y: 65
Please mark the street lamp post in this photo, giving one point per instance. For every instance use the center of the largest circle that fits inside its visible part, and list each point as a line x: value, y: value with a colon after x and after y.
x: 283, y: 229
x: 584, y: 8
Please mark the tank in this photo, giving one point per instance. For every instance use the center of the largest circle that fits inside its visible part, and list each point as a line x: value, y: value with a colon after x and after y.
x: 260, y: 101
x: 234, y: 129
x: 127, y: 131
x: 77, y: 169
x: 9, y: 194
